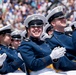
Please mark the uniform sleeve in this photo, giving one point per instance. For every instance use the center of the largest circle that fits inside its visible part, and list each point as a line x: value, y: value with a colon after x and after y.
x: 65, y: 64
x: 6, y: 68
x: 11, y: 66
x: 30, y: 59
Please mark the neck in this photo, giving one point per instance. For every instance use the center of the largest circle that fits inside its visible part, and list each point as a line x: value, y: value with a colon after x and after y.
x: 34, y: 39
x: 59, y: 29
x: 4, y: 44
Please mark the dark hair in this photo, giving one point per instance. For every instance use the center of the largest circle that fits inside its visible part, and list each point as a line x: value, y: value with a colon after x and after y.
x: 49, y: 29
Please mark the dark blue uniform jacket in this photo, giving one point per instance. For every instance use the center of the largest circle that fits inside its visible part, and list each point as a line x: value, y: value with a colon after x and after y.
x: 35, y: 54
x: 63, y: 40
x: 12, y: 62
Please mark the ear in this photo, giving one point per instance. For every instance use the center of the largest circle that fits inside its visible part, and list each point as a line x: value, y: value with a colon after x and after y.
x: 53, y: 23
x: 28, y: 30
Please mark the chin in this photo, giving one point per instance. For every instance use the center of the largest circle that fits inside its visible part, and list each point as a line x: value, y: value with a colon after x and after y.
x: 64, y: 25
x: 36, y: 36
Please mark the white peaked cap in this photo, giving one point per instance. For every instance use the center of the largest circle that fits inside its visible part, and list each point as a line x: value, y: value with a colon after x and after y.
x: 34, y: 17
x: 54, y: 13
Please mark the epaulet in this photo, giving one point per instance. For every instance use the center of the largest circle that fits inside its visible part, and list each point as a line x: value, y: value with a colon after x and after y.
x: 27, y: 39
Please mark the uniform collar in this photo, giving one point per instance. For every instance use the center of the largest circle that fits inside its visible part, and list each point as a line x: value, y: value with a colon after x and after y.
x: 36, y: 40
x: 56, y: 32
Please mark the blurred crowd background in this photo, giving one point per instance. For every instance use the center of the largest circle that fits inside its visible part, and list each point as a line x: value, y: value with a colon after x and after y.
x: 15, y: 11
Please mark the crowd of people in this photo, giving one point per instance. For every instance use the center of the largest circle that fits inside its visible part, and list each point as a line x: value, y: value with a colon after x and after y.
x: 14, y: 12
x: 37, y: 37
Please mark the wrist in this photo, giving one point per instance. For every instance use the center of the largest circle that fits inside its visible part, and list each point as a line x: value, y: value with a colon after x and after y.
x: 55, y: 60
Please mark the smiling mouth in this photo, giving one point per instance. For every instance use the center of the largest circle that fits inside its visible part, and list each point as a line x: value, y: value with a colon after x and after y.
x: 36, y: 32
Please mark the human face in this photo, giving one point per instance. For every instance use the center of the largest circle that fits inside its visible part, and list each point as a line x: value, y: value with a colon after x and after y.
x: 59, y: 24
x: 6, y: 39
x: 15, y: 43
x: 50, y: 32
x: 35, y: 31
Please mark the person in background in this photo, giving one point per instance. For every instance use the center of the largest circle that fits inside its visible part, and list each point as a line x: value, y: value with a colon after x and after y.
x: 36, y: 53
x: 16, y: 39
x: 49, y: 29
x: 47, y: 32
x: 12, y: 62
x: 15, y: 43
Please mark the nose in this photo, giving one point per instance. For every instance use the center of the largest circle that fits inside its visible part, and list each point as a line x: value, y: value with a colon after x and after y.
x: 36, y: 27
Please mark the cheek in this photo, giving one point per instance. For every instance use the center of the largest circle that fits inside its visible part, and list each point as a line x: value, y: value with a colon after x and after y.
x: 41, y: 31
x: 31, y: 30
x: 15, y: 42
x: 7, y: 38
x: 58, y: 22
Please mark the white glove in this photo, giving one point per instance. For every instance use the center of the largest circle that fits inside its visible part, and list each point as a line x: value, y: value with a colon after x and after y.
x: 68, y: 29
x: 19, y: 55
x: 2, y: 58
x: 57, y: 52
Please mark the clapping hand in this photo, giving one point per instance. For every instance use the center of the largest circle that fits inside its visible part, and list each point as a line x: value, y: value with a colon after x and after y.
x: 2, y: 58
x: 58, y: 52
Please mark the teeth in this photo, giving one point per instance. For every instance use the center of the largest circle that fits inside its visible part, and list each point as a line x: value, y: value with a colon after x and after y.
x: 36, y: 32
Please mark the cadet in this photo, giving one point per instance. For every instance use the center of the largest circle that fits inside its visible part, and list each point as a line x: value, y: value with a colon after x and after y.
x: 15, y: 39
x: 58, y: 20
x: 37, y: 54
x: 12, y: 61
x: 15, y: 43
x: 49, y: 29
x: 47, y: 33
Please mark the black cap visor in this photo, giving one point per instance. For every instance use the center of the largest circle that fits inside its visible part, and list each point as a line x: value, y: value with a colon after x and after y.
x: 36, y: 22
